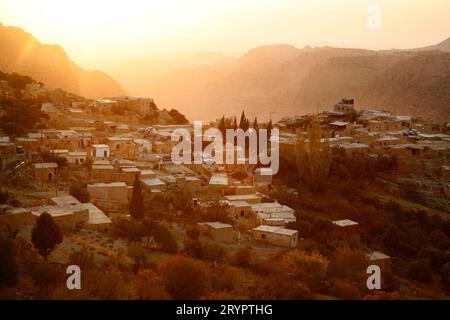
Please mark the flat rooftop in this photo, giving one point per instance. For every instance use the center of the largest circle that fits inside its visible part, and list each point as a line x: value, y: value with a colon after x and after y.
x: 45, y: 165
x: 217, y: 179
x: 216, y: 225
x: 275, y: 230
x: 345, y: 223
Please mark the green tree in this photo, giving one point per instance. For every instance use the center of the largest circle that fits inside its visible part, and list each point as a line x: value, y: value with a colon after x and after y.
x: 137, y: 202
x: 46, y: 234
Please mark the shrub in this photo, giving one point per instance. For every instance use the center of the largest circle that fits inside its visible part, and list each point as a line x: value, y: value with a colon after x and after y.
x: 193, y: 248
x: 183, y: 277
x: 445, y: 273
x: 130, y: 230
x: 149, y: 286
x: 420, y: 270
x: 46, y: 276
x: 349, y: 264
x: 165, y: 238
x: 82, y: 258
x: 242, y: 257
x: 213, y: 252
x: 4, y: 196
x: 193, y: 232
x: 8, y: 264
x: 280, y: 288
x: 310, y: 268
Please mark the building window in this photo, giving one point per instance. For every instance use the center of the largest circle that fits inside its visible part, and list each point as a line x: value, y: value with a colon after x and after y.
x: 263, y: 236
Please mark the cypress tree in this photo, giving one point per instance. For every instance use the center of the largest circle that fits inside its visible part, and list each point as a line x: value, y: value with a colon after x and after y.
x: 46, y: 235
x: 137, y: 202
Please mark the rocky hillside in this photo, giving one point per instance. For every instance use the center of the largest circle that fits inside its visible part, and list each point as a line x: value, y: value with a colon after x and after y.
x: 24, y: 54
x: 405, y: 82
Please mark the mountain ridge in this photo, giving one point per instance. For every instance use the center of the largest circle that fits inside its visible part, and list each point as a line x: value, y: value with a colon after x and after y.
x: 283, y: 80
x: 49, y: 63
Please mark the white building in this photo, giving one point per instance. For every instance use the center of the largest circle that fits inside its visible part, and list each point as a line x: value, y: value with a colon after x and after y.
x: 273, y: 213
x: 101, y: 150
x: 274, y: 235
x: 218, y: 182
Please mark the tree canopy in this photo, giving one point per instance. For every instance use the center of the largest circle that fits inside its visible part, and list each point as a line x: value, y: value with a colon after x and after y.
x: 46, y: 234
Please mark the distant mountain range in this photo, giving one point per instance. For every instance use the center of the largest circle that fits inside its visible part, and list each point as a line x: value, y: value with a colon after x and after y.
x: 267, y: 81
x: 24, y: 54
x: 277, y: 80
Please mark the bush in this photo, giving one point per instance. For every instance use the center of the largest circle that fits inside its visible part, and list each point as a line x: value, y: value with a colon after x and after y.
x: 8, y: 264
x: 4, y: 196
x: 280, y: 288
x: 46, y: 276
x: 183, y: 277
x: 344, y: 290
x: 310, y: 268
x: 129, y: 230
x: 149, y: 286
x: 242, y: 257
x: 349, y: 264
x: 82, y: 258
x: 165, y: 239
x: 445, y: 273
x: 136, y: 252
x: 213, y: 252
x: 109, y: 285
x: 193, y: 232
x: 420, y: 270
x: 224, y: 278
x: 193, y: 248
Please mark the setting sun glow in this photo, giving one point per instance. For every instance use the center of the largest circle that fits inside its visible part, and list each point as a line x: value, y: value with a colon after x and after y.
x: 96, y: 33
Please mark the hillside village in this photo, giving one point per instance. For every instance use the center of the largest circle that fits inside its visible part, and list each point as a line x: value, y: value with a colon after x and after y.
x: 298, y: 234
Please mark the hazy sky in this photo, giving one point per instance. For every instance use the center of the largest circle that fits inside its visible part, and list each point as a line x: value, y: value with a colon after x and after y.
x: 97, y: 32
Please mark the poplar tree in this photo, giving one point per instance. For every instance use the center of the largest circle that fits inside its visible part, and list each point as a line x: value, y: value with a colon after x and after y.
x: 235, y: 126
x: 222, y: 126
x: 301, y: 157
x: 242, y: 121
x: 313, y: 161
x: 255, y: 124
